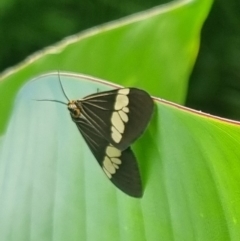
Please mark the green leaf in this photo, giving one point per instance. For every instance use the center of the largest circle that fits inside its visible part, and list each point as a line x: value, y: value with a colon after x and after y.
x: 154, y: 50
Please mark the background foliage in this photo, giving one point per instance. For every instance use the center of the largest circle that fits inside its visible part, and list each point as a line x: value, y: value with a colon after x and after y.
x: 27, y: 26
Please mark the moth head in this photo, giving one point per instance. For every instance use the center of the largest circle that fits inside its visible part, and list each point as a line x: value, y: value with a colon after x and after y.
x: 74, y: 109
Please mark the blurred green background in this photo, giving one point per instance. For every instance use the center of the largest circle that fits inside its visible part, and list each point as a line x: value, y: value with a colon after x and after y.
x: 28, y: 26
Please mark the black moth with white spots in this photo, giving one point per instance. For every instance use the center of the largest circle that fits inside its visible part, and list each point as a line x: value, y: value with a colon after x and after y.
x: 110, y: 122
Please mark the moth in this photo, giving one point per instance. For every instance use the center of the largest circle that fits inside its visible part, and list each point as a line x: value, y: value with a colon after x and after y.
x: 110, y: 122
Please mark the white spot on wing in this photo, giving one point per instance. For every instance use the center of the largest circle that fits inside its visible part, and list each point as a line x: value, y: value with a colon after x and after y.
x: 123, y: 115
x: 124, y: 91
x: 119, y: 116
x: 117, y: 122
x: 111, y: 160
x: 116, y: 160
x: 116, y: 166
x: 112, y: 151
x: 116, y: 136
x: 108, y: 165
x: 120, y: 102
x: 125, y: 109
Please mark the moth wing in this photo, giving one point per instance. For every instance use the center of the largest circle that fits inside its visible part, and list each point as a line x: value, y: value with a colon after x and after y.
x: 120, y: 166
x: 120, y: 115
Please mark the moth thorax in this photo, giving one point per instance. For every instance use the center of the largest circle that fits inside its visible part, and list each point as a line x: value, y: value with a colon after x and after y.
x: 74, y: 109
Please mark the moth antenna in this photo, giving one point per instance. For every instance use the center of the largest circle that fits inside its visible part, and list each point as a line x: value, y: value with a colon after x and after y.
x: 58, y: 101
x: 62, y: 87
